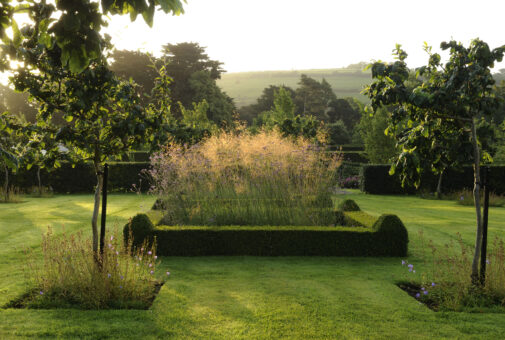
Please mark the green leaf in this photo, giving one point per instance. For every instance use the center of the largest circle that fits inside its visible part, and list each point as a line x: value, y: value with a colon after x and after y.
x: 148, y: 15
x: 45, y: 39
x: 392, y: 169
x: 65, y: 55
x: 78, y: 61
x: 16, y: 40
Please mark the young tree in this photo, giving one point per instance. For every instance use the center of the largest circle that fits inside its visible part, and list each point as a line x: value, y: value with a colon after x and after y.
x: 103, y: 115
x: 11, y: 148
x: 450, y: 98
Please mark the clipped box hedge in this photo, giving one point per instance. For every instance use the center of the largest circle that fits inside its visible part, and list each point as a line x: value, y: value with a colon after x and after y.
x: 387, y: 237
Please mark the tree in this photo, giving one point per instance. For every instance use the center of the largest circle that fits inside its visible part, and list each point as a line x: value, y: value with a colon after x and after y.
x: 379, y: 147
x: 313, y: 97
x: 194, y: 77
x: 221, y: 106
x: 197, y: 117
x: 338, y: 133
x: 11, y: 147
x: 348, y: 110
x: 282, y: 108
x: 282, y: 116
x: 450, y: 97
x: 103, y: 115
x: 263, y: 103
x: 136, y: 65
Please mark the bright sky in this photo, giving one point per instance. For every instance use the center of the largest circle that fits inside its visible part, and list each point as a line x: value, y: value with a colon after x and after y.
x: 250, y: 35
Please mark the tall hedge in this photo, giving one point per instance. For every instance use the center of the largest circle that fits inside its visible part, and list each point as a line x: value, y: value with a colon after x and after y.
x: 375, y: 179
x: 81, y: 178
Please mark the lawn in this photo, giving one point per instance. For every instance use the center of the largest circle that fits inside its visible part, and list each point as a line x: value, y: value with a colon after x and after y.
x: 251, y: 297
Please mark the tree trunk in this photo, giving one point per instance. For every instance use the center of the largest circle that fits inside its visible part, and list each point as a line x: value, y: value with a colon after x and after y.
x: 40, y: 182
x: 6, y: 184
x: 476, y: 198
x: 439, y: 185
x: 96, y: 208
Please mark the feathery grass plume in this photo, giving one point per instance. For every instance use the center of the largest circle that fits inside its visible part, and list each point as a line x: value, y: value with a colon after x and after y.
x: 230, y: 179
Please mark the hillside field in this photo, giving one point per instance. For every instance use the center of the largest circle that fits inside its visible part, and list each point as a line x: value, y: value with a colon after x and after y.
x: 246, y: 87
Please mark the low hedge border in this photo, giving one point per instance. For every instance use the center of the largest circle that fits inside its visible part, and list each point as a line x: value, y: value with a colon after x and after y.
x: 387, y: 237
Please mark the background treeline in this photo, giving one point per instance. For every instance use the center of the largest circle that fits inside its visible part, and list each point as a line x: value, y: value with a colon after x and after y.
x: 323, y: 105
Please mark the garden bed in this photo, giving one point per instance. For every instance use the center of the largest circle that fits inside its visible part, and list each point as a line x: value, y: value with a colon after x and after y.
x: 33, y: 300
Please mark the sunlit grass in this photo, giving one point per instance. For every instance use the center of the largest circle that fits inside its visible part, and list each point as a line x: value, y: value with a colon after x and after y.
x: 254, y: 297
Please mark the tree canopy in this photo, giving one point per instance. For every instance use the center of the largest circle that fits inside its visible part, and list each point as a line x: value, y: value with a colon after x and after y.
x: 447, y: 100
x: 72, y: 25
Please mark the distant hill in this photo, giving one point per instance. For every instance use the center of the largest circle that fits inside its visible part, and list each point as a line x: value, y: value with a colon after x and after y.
x: 246, y: 87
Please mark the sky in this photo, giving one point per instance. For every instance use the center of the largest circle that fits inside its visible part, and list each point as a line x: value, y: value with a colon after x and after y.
x: 254, y: 35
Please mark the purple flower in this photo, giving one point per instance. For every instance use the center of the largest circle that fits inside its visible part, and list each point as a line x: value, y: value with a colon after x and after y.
x: 121, y: 287
x: 410, y: 266
x: 117, y: 253
x: 149, y: 252
x: 111, y: 238
x: 462, y: 198
x: 108, y: 275
x: 150, y: 265
x: 422, y: 288
x: 418, y: 295
x: 403, y: 262
x: 425, y: 292
x: 433, y: 284
x: 122, y: 277
x: 168, y: 273
x: 487, y: 261
x: 41, y: 293
x: 152, y: 272
x: 410, y: 269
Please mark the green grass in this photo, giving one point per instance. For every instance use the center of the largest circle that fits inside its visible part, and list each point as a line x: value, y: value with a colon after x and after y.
x: 252, y: 297
x: 246, y: 87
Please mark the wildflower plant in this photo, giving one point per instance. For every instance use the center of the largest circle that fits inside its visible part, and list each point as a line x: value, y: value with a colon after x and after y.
x: 230, y: 179
x: 71, y: 275
x: 445, y: 282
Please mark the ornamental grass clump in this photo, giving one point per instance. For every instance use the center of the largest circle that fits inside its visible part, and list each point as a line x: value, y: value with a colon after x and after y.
x: 70, y: 274
x: 245, y: 179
